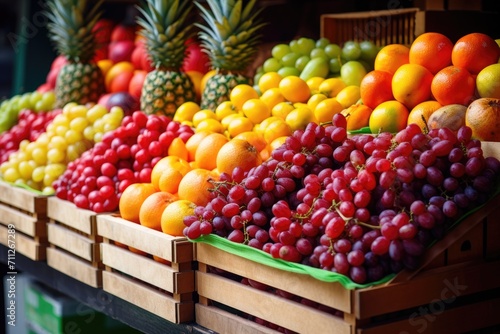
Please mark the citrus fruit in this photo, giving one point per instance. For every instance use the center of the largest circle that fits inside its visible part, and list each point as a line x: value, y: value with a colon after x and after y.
x: 389, y: 116
x: 186, y: 111
x: 331, y: 86
x: 238, y: 125
x: 193, y: 142
x: 299, y: 117
x: 254, y: 138
x: 272, y: 97
x: 269, y: 80
x: 172, y: 218
x: 195, y: 186
x: 488, y: 81
x: 210, y: 124
x: 152, y: 209
x: 237, y: 153
x: 315, y: 99
x: 200, y: 115
x: 206, y: 153
x: 314, y: 84
x: 132, y: 198
x: 432, y: 50
x: 375, y: 88
x: 391, y: 57
x: 411, y: 84
x: 242, y: 93
x: 294, y: 89
x: 224, y: 109
x: 421, y: 113
x: 282, y: 109
x: 256, y: 110
x: 325, y: 110
x: 205, y: 78
x: 275, y: 129
x: 474, y: 52
x: 453, y: 85
x: 178, y: 148
x: 168, y: 173
x: 483, y: 117
x: 357, y: 116
x: 348, y: 96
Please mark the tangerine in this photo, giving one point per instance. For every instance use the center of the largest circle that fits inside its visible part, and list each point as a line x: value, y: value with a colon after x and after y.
x: 453, y: 85
x: 269, y: 80
x: 196, y: 186
x: 389, y: 116
x: 325, y: 109
x: 375, y: 88
x: 294, y: 89
x: 152, y: 209
x: 391, y: 57
x: 193, y: 142
x: 178, y: 148
x: 474, y: 52
x: 242, y: 93
x: 172, y: 218
x: 132, y: 198
x: 254, y: 138
x: 421, y: 113
x: 411, y: 84
x: 357, y: 116
x: 168, y: 173
x: 206, y: 153
x: 432, y: 50
x: 237, y: 153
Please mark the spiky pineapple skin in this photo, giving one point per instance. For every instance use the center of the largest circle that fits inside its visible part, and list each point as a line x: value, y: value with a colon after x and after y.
x: 80, y: 83
x: 164, y: 91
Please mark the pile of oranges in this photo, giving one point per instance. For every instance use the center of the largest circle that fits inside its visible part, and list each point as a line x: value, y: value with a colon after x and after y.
x: 410, y: 82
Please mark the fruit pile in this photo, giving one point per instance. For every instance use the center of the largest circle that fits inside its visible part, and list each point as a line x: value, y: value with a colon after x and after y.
x: 363, y: 206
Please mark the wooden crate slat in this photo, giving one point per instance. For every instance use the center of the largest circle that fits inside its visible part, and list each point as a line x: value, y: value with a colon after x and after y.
x: 73, y: 242
x: 174, y: 249
x: 330, y: 294
x: 147, y: 270
x: 23, y: 222
x: 267, y: 306
x: 74, y: 267
x: 23, y: 199
x: 67, y: 213
x: 25, y: 245
x: 148, y: 298
x: 224, y: 322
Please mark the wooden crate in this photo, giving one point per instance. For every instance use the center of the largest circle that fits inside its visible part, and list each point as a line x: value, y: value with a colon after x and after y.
x: 25, y: 213
x: 382, y: 27
x: 74, y: 243
x: 148, y: 268
x: 455, y: 289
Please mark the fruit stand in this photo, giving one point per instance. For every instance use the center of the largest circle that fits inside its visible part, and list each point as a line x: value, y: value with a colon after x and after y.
x: 175, y: 175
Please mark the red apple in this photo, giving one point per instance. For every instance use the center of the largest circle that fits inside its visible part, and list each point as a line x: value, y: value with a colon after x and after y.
x: 102, y: 30
x: 121, y: 51
x: 135, y: 85
x: 137, y: 55
x: 123, y: 32
x: 121, y: 82
x: 196, y: 59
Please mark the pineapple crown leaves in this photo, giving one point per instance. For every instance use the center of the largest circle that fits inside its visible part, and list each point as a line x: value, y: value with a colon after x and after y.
x: 231, y: 34
x: 166, y: 28
x: 70, y: 25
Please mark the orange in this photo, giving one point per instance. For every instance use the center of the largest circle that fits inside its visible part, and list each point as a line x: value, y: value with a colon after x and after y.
x: 294, y: 89
x: 238, y: 125
x: 206, y: 153
x: 453, y: 85
x: 375, y: 88
x: 389, y: 116
x: 358, y: 116
x: 432, y: 50
x: 411, y: 84
x: 172, y: 218
x: 254, y: 138
x: 193, y: 142
x: 421, y: 112
x: 483, y: 117
x: 242, y: 93
x: 196, y: 186
x: 488, y: 81
x: 237, y: 153
x: 391, y: 57
x: 474, y: 52
x: 168, y: 173
x: 178, y: 148
x: 132, y: 198
x: 115, y: 70
x: 152, y: 209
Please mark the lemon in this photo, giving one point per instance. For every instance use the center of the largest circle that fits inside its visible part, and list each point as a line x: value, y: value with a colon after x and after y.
x: 325, y: 109
x: 348, y: 96
x: 186, y: 111
x: 239, y: 125
x: 331, y: 86
x: 488, y: 81
x: 298, y: 118
x: 315, y: 99
x: 201, y: 115
x: 282, y: 109
x: 224, y: 109
x: 276, y: 129
x: 211, y: 125
x: 256, y: 110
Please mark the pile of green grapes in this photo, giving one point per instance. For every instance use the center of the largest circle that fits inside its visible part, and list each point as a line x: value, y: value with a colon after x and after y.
x: 36, y: 101
x: 307, y: 58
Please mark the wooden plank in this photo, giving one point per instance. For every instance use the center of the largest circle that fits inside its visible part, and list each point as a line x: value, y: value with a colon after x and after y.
x: 67, y: 213
x: 73, y: 242
x: 74, y: 267
x: 267, y: 306
x: 330, y: 294
x: 224, y: 322
x: 440, y: 283
x: 23, y: 222
x: 469, y: 247
x: 148, y: 298
x: 147, y: 270
x: 23, y: 199
x: 23, y: 244
x: 440, y: 319
x: 173, y: 249
x: 492, y: 248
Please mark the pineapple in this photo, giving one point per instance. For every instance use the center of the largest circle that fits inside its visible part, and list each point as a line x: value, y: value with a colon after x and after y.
x: 167, y: 25
x: 70, y: 28
x: 230, y: 39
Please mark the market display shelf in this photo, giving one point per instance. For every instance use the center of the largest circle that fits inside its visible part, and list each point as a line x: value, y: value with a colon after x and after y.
x: 23, y: 221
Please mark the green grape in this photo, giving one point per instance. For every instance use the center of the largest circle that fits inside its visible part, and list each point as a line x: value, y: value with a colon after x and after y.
x: 77, y: 111
x: 294, y: 46
x: 99, y: 125
x: 73, y: 136
x: 72, y: 153
x: 289, y: 59
x: 33, y: 98
x: 58, y: 142
x: 96, y: 112
x: 79, y: 123
x: 61, y: 130
x: 322, y: 42
x: 38, y: 174
x: 39, y: 155
x: 89, y: 132
x: 55, y: 169
x: 335, y: 65
x: 288, y: 71
x: 26, y: 169
x: 55, y: 155
x: 257, y: 76
x: 11, y: 175
x: 333, y: 50
x: 48, y: 190
x: 98, y: 137
x: 279, y: 50
x: 351, y: 50
x: 318, y: 52
x: 302, y: 62
x: 24, y: 102
x: 49, y: 98
x: 352, y: 73
x: 305, y: 45
x: 60, y: 120
x: 271, y: 65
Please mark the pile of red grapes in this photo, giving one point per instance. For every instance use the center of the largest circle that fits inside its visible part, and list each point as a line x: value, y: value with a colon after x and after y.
x: 126, y: 155
x: 29, y: 126
x: 363, y: 206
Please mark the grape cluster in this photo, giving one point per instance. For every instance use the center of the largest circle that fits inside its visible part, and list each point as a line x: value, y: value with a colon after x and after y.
x: 29, y: 126
x: 363, y: 206
x: 126, y: 155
